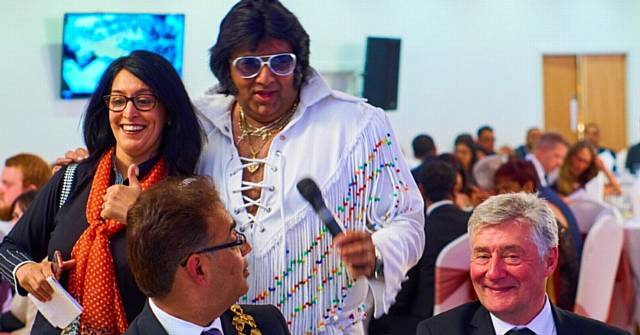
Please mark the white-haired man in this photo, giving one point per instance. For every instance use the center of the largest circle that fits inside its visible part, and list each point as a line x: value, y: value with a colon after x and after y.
x: 514, y: 249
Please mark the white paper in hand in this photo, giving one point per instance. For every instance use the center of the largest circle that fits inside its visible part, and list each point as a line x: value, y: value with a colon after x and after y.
x: 62, y: 309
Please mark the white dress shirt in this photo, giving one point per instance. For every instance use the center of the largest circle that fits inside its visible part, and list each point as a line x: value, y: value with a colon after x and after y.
x: 175, y: 326
x: 539, y: 169
x: 542, y: 324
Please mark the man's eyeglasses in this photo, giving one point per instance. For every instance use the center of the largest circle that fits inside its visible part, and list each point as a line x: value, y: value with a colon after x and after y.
x: 118, y: 103
x: 240, y: 240
x: 279, y: 64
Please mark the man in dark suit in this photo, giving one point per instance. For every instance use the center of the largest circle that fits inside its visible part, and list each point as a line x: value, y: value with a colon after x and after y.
x: 187, y: 257
x: 592, y: 135
x: 632, y: 163
x: 533, y: 134
x: 514, y: 249
x: 424, y: 150
x: 444, y: 223
x: 547, y: 157
x: 486, y: 140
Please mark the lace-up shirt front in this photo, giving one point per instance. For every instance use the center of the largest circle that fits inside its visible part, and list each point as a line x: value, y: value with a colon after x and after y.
x: 349, y: 149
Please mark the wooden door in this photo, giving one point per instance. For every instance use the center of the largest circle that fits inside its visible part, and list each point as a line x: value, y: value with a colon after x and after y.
x: 602, y: 83
x: 560, y: 88
x: 597, y: 86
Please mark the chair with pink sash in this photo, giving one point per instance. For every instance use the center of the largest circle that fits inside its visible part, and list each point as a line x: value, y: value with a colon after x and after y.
x: 599, y: 266
x: 452, y: 283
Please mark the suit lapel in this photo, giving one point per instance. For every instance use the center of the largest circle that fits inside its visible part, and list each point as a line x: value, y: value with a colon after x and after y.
x: 563, y: 324
x: 481, y: 323
x: 226, y: 318
x: 149, y: 322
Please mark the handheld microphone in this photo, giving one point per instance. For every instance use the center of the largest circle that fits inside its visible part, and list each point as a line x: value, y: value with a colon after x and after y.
x: 310, y: 192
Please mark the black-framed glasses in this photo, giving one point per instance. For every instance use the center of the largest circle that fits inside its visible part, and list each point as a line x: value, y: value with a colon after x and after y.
x: 118, y: 102
x: 279, y: 64
x: 240, y: 240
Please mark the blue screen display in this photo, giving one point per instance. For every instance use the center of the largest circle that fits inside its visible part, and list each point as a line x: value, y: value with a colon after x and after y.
x: 92, y: 41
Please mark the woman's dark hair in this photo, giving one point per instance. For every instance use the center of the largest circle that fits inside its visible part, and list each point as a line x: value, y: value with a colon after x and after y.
x: 467, y: 140
x: 463, y: 137
x: 567, y: 181
x: 181, y: 138
x: 519, y: 171
x: 249, y: 23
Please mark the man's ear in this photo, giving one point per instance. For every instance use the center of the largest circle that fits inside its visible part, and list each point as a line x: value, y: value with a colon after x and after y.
x: 195, y: 270
x: 30, y: 188
x: 551, y: 261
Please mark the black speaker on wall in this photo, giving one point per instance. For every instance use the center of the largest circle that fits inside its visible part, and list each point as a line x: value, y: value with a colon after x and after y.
x: 381, y: 72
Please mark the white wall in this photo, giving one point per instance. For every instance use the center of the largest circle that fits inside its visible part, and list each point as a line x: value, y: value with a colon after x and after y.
x: 463, y: 62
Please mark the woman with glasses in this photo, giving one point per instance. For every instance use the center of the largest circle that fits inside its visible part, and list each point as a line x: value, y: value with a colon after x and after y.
x: 272, y: 121
x: 140, y: 127
x: 582, y: 164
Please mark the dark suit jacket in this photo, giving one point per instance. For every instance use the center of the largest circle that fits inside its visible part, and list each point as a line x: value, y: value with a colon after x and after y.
x: 416, y: 298
x: 551, y: 196
x: 633, y: 158
x: 521, y: 151
x: 267, y: 317
x: 473, y: 319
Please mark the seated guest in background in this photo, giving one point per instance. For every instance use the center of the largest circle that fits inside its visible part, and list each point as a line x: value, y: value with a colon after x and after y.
x: 19, y: 318
x: 486, y: 140
x: 466, y: 151
x: 592, y: 136
x: 21, y: 172
x: 514, y: 249
x: 483, y: 173
x: 444, y: 223
x: 20, y: 205
x: 520, y: 176
x: 193, y: 285
x: 424, y: 149
x: 139, y: 123
x: 580, y: 166
x: 548, y: 156
x: 463, y: 192
x: 632, y: 162
x: 22, y: 175
x: 533, y: 135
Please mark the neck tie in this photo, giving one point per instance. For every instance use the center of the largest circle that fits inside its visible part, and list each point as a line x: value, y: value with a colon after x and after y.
x: 212, y: 331
x: 521, y: 331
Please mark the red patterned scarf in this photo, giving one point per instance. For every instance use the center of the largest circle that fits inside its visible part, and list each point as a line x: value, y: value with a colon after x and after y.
x: 93, y: 281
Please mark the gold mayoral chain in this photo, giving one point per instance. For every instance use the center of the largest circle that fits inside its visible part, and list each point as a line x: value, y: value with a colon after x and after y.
x: 248, y: 131
x: 240, y: 320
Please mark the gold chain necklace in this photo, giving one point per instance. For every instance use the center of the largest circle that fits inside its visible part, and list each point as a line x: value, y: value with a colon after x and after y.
x: 240, y: 320
x: 264, y: 133
x: 267, y: 130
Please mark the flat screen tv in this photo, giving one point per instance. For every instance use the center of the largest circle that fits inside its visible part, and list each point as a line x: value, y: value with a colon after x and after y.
x: 91, y: 41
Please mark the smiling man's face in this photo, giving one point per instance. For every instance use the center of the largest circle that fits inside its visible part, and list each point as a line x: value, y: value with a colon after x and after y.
x: 508, y: 274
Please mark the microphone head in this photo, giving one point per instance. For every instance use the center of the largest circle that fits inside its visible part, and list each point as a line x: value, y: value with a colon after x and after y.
x: 310, y: 191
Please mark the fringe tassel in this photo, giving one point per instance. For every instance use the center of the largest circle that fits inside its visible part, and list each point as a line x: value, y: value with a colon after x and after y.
x: 311, y: 284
